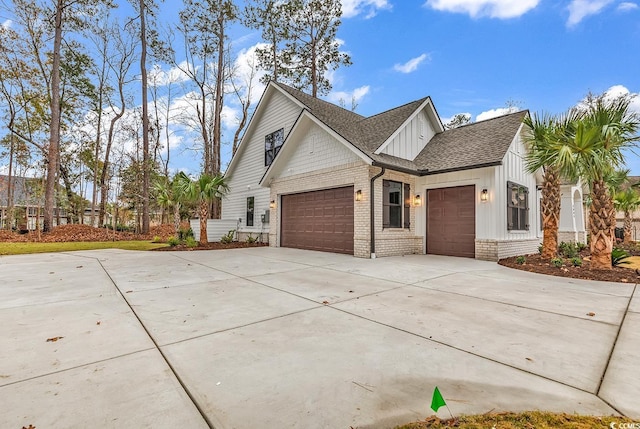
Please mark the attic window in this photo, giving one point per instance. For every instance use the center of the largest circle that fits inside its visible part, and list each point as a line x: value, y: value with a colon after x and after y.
x: 272, y: 144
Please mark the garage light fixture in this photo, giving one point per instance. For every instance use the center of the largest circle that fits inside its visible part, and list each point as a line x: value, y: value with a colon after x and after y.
x: 359, y: 195
x: 484, y: 195
x: 417, y: 201
x: 272, y: 204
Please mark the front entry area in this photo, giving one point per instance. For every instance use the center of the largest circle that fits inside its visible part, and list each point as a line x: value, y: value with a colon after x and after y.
x: 451, y: 221
x: 318, y: 220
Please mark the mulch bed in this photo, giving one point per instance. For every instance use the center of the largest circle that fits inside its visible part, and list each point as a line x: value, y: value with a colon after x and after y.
x: 212, y: 246
x: 69, y: 233
x: 535, y: 264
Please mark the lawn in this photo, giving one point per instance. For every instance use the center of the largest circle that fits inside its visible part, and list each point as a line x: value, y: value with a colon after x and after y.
x: 27, y: 248
x: 525, y: 420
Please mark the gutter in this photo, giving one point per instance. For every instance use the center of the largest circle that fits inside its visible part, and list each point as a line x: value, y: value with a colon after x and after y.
x: 372, y: 213
x: 426, y: 172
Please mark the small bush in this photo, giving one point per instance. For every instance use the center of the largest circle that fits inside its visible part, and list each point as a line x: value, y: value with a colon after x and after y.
x: 557, y: 262
x: 568, y: 250
x: 228, y: 237
x: 618, y: 256
x: 157, y: 239
x: 521, y: 260
x: 184, y: 233
x: 577, y: 262
x: 540, y: 249
x: 251, y: 239
x: 581, y: 246
x: 190, y: 242
x: 173, y: 241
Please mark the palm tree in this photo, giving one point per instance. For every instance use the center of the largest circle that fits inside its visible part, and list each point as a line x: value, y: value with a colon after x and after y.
x: 203, y: 191
x: 170, y: 196
x: 540, y: 140
x: 627, y: 201
x: 590, y: 145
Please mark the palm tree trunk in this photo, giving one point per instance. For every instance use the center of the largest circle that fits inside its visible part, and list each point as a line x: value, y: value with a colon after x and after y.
x: 204, y: 215
x: 176, y: 218
x: 627, y: 226
x: 550, y: 207
x: 600, y: 226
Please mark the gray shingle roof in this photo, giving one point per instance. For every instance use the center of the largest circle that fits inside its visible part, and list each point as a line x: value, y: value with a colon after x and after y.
x: 469, y: 146
x: 477, y: 144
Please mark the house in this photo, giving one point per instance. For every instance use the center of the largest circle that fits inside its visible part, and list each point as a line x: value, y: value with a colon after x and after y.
x: 28, y: 203
x: 311, y: 175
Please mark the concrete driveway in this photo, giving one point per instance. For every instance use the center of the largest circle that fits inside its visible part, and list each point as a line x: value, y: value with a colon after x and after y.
x: 276, y: 338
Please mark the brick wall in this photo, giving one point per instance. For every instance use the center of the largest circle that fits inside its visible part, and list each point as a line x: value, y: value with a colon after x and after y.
x: 570, y: 236
x: 493, y: 250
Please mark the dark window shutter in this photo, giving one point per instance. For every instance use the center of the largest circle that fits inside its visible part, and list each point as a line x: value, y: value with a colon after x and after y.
x: 407, y: 205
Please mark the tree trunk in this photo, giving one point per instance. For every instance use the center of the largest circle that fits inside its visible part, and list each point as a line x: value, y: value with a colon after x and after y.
x: 217, y: 120
x: 72, y: 214
x: 53, y: 152
x: 600, y: 226
x: 204, y: 216
x: 176, y: 218
x: 9, y: 217
x: 627, y: 227
x: 550, y: 208
x: 145, y: 120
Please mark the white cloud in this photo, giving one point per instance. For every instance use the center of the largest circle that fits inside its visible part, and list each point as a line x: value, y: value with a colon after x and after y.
x: 159, y: 77
x: 7, y: 23
x: 352, y: 8
x: 580, y: 9
x: 494, y: 113
x: 411, y: 65
x: 620, y: 90
x: 626, y: 6
x: 347, y: 97
x: 502, y: 9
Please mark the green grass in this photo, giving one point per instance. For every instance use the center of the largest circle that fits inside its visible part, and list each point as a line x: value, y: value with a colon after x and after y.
x: 28, y: 248
x: 525, y: 420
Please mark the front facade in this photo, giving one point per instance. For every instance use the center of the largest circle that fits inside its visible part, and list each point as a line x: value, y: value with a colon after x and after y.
x: 311, y: 175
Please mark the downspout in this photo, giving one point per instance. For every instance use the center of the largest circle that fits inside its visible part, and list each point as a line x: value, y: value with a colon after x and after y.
x: 372, y: 212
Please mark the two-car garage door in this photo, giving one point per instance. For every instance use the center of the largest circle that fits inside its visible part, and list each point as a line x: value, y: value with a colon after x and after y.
x: 318, y: 220
x: 451, y: 221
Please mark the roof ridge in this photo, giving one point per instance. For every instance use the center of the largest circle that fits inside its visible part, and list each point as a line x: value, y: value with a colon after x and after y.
x: 327, y: 103
x: 489, y: 119
x: 421, y: 100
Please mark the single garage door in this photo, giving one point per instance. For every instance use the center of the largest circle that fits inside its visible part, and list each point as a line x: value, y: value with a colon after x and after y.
x: 318, y: 220
x: 451, y: 221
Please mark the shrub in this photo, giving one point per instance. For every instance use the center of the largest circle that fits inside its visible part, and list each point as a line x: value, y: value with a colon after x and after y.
x: 190, y: 242
x: 540, y: 249
x: 556, y: 262
x: 251, y: 239
x: 521, y: 260
x: 228, y: 237
x: 184, y: 233
x: 173, y: 241
x: 581, y: 246
x: 618, y: 257
x: 157, y: 239
x: 568, y: 250
x: 577, y: 262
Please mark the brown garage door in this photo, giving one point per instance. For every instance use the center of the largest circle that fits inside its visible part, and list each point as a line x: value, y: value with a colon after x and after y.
x: 451, y: 221
x: 318, y: 220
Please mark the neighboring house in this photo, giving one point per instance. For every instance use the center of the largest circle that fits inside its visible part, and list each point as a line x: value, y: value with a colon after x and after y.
x: 635, y: 216
x: 28, y: 202
x: 313, y: 175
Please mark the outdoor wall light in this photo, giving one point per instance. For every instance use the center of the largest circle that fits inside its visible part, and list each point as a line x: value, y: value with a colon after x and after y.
x: 359, y: 195
x: 272, y: 204
x: 417, y: 201
x: 484, y: 195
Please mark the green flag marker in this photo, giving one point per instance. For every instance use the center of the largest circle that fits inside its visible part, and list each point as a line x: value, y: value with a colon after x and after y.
x: 437, y: 401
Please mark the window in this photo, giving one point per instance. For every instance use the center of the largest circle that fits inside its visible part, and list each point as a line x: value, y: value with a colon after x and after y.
x: 250, y: 204
x: 517, y: 207
x: 396, y: 204
x: 272, y: 144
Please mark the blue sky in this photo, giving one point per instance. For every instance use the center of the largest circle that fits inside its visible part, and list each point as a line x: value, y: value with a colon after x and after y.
x: 474, y: 56
x: 470, y: 56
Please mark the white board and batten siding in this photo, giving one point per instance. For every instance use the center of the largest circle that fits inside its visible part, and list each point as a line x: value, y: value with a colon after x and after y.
x: 278, y: 112
x: 513, y: 169
x: 316, y: 150
x: 216, y: 228
x: 409, y: 141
